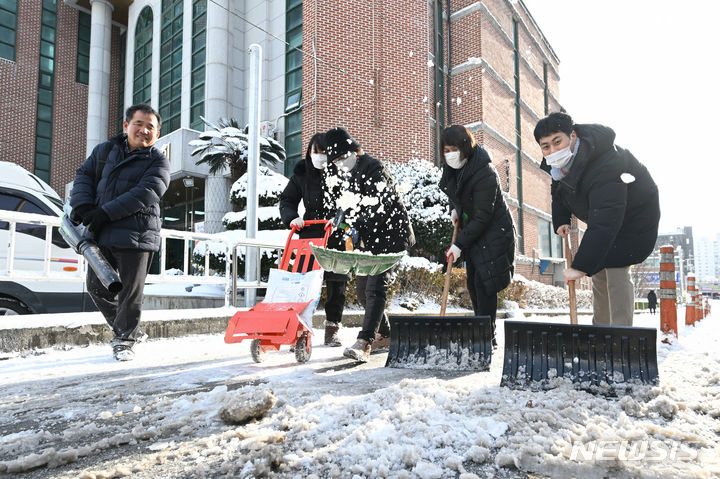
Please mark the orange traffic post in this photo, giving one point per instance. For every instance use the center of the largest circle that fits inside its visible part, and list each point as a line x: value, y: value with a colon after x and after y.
x: 690, y: 305
x: 668, y: 294
x: 699, y: 314
x: 707, y: 307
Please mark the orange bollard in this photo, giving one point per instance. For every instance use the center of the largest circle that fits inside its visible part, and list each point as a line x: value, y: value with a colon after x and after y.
x: 690, y: 306
x: 699, y: 313
x: 668, y: 295
x: 707, y: 307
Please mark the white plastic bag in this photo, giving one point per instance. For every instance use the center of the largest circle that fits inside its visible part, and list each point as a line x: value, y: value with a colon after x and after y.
x: 287, y: 287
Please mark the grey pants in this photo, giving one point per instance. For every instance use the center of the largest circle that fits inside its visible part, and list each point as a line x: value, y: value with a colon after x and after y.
x: 613, y: 297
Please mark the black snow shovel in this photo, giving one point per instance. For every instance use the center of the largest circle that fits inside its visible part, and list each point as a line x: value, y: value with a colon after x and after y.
x: 599, y: 359
x: 458, y: 343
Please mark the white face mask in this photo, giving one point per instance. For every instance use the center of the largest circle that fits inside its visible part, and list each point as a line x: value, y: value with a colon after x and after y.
x: 319, y: 160
x: 454, y: 161
x: 347, y: 162
x: 560, y: 158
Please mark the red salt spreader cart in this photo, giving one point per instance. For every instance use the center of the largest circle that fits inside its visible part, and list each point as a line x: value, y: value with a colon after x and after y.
x: 270, y: 325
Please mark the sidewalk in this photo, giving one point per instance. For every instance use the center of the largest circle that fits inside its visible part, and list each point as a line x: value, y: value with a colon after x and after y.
x: 37, y: 331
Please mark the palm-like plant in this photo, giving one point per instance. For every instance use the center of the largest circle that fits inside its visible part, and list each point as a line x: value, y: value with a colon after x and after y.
x: 225, y: 145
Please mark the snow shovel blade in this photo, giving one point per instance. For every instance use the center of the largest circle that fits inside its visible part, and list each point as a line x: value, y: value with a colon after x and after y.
x: 595, y: 358
x: 358, y: 262
x: 458, y: 343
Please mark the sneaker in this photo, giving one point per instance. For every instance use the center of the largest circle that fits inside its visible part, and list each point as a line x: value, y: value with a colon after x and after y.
x: 360, y: 351
x: 381, y: 344
x: 331, y: 335
x: 141, y: 336
x: 123, y: 352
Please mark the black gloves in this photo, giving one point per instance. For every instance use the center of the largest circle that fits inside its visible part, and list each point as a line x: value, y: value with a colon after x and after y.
x: 78, y: 213
x: 95, y: 220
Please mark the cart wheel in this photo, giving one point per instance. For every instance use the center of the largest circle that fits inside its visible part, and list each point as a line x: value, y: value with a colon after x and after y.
x: 256, y: 351
x: 302, y: 355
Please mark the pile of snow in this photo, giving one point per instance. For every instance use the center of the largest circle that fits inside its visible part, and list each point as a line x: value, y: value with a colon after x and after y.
x: 336, y: 418
x: 537, y: 295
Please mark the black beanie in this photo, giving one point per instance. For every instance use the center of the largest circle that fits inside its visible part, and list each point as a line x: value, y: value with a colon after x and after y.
x: 339, y: 142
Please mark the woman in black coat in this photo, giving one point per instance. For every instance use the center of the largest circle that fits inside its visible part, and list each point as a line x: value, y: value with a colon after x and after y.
x: 486, y: 237
x: 307, y: 185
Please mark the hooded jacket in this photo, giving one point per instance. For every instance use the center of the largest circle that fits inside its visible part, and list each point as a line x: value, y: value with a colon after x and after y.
x: 487, y: 230
x: 379, y: 214
x: 614, y: 194
x: 129, y: 189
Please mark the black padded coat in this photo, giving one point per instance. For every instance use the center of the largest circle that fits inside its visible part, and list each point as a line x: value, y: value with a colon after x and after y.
x: 128, y: 189
x: 614, y: 194
x: 487, y: 230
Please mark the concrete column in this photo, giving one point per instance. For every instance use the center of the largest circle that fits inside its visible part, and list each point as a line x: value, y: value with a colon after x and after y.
x: 99, y: 74
x: 217, y: 81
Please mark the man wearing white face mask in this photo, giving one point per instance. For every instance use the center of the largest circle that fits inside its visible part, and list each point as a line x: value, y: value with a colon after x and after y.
x: 486, y: 237
x: 614, y: 194
x: 308, y: 185
x: 366, y: 192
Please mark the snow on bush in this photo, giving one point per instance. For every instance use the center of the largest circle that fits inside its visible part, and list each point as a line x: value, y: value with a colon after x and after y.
x: 428, y: 207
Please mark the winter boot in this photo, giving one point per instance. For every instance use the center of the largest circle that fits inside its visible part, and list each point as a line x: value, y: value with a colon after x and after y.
x: 381, y: 344
x: 360, y: 351
x: 331, y: 335
x: 122, y: 349
x: 123, y: 352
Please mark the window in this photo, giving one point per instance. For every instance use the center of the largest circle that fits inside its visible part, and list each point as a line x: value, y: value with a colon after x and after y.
x: 549, y: 243
x: 11, y: 202
x: 143, y: 57
x: 171, y: 30
x: 197, y: 78
x: 8, y: 28
x: 293, y: 84
x: 46, y: 90
x: 83, y: 48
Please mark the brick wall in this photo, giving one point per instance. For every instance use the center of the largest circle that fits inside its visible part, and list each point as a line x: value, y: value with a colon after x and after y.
x: 376, y: 83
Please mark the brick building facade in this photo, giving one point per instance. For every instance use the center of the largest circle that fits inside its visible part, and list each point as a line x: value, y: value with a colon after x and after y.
x: 375, y: 75
x: 393, y: 73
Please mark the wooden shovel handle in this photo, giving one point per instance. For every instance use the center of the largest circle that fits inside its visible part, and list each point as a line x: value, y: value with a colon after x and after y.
x: 448, y: 270
x: 571, y: 284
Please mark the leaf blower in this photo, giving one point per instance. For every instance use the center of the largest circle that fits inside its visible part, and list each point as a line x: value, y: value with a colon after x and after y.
x: 83, y: 242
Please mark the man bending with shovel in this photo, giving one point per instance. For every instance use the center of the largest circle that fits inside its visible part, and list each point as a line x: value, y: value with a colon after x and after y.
x: 614, y: 194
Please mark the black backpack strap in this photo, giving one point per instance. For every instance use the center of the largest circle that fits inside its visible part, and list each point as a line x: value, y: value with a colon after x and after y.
x: 101, y: 160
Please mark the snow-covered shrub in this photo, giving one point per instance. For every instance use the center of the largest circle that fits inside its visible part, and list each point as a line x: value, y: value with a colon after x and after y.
x: 533, y: 294
x: 270, y: 185
x: 417, y: 183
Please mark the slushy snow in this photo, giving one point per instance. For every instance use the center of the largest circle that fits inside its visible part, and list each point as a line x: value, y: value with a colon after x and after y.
x: 78, y: 413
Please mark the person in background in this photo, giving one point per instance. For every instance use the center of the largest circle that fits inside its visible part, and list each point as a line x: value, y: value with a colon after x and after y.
x: 486, y: 237
x: 116, y: 194
x: 604, y: 186
x: 365, y: 190
x: 308, y: 185
x: 652, y: 301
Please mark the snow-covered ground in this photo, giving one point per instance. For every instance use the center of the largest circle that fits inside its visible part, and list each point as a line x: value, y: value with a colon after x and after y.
x: 78, y: 413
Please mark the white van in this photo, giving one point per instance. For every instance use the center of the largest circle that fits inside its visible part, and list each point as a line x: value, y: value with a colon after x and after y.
x: 23, y: 192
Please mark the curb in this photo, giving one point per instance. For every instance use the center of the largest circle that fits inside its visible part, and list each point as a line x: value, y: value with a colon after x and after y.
x: 94, y: 331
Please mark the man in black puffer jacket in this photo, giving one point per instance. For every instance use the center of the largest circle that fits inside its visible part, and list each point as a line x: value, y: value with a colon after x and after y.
x: 116, y: 194
x: 362, y: 186
x: 614, y: 194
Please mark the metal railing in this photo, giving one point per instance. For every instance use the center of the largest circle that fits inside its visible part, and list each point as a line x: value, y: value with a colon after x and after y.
x: 77, y: 273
